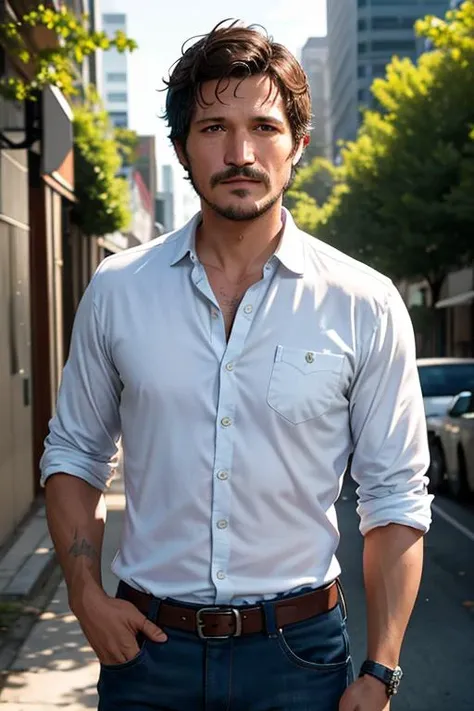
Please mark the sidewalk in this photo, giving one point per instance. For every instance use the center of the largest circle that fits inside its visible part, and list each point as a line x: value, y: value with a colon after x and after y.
x: 56, y: 668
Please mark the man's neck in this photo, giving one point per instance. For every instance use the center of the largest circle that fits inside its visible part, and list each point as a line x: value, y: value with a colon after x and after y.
x: 237, y: 248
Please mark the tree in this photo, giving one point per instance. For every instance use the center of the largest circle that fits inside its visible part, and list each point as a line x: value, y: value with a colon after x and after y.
x: 103, y: 196
x: 99, y: 150
x: 127, y: 144
x: 313, y: 184
x: 57, y: 65
x: 405, y: 203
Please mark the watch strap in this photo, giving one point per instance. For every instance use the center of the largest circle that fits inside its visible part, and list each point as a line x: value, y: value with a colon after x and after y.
x: 390, y: 677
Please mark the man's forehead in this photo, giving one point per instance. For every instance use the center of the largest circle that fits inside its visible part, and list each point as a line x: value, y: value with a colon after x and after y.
x: 259, y: 93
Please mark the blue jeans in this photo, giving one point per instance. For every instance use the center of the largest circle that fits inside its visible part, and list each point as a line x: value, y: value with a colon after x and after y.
x: 304, y: 667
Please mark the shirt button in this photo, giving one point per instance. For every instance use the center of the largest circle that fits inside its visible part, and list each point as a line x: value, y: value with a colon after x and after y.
x: 220, y: 575
x: 226, y: 422
x: 309, y: 357
x: 248, y: 309
x: 222, y: 523
x: 229, y: 366
x: 223, y: 476
x: 214, y: 314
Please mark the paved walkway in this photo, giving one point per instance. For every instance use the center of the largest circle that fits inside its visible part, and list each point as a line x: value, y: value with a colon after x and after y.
x: 56, y: 667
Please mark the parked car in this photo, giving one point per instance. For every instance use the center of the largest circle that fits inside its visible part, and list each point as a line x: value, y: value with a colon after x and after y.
x: 442, y: 379
x: 452, y: 446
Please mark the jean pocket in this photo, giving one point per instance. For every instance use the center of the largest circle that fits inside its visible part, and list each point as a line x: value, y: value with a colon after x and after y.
x: 321, y: 643
x: 304, y: 384
x: 137, y: 659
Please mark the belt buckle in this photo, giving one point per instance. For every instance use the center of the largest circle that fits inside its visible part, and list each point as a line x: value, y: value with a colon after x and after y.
x: 200, y: 623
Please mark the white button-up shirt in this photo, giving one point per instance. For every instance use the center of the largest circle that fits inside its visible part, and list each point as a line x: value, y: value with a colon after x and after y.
x: 235, y: 451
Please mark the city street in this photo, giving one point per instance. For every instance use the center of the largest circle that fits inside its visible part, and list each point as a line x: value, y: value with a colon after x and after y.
x: 56, y: 668
x: 438, y: 655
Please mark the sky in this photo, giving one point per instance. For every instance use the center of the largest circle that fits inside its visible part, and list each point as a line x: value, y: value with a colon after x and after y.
x: 161, y: 26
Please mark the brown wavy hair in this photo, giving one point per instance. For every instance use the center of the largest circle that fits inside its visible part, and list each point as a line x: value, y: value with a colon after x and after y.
x: 235, y: 51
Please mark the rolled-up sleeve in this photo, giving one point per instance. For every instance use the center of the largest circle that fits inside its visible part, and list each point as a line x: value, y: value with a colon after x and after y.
x: 85, y: 429
x: 390, y: 456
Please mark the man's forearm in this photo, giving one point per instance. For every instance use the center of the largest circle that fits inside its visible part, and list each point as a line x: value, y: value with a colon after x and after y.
x: 393, y: 560
x: 76, y: 518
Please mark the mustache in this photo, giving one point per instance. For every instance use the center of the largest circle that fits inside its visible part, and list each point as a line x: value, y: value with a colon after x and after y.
x: 243, y: 172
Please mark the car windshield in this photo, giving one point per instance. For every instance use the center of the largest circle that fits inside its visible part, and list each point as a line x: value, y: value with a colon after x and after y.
x: 446, y: 379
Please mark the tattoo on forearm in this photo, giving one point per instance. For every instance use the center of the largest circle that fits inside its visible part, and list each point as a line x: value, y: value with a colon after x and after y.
x: 82, y: 547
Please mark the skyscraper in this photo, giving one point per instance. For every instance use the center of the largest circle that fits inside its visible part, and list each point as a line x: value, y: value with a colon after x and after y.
x: 342, y: 55
x: 314, y: 59
x: 386, y: 28
x: 363, y: 36
x: 115, y: 80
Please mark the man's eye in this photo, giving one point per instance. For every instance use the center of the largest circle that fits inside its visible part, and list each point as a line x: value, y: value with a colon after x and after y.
x: 213, y: 129
x: 266, y: 127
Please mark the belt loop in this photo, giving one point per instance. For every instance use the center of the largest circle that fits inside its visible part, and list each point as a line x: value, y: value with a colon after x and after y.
x: 342, y: 598
x: 269, y: 620
x: 121, y: 590
x: 154, y: 610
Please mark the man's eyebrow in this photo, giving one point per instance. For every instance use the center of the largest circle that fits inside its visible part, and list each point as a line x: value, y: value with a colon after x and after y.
x: 212, y: 119
x: 260, y: 119
x: 269, y: 119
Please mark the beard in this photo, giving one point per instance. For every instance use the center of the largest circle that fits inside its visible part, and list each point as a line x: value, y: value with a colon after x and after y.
x: 234, y: 212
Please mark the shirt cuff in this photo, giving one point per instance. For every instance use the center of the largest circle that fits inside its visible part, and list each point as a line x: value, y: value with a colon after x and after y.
x: 99, y: 481
x: 412, y: 510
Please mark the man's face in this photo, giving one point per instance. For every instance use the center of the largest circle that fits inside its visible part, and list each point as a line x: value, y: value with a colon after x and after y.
x: 240, y: 151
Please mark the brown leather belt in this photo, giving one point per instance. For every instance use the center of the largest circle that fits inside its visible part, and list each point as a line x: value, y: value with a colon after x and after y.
x: 223, y: 622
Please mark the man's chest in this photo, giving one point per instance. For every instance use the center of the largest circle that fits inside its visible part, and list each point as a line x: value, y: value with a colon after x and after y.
x: 284, y: 356
x: 229, y: 294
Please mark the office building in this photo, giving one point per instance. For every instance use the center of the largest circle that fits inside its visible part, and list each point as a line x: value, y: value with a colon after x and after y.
x: 114, y: 67
x: 342, y: 58
x: 315, y: 62
x: 363, y: 36
x: 145, y: 163
x: 165, y: 200
x: 386, y: 28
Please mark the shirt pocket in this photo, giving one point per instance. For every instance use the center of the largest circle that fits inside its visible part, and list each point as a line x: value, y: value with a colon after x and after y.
x: 303, y: 383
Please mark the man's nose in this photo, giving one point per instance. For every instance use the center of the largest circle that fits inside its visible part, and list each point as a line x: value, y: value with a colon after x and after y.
x: 239, y: 150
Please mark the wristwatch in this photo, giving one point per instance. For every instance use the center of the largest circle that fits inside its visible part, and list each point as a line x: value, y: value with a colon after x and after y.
x: 390, y: 677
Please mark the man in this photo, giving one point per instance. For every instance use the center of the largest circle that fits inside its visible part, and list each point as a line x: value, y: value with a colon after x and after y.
x: 243, y: 363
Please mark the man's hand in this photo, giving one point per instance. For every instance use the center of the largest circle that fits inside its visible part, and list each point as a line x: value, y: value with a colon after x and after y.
x: 365, y: 694
x: 111, y: 626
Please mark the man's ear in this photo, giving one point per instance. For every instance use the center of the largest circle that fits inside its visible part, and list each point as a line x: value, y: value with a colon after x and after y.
x: 299, y: 150
x: 181, y: 154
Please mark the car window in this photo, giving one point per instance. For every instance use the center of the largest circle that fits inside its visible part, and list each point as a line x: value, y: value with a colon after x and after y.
x: 470, y: 409
x: 446, y: 379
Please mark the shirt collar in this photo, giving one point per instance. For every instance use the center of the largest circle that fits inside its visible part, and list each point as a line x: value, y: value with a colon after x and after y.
x: 290, y: 251
x: 186, y: 240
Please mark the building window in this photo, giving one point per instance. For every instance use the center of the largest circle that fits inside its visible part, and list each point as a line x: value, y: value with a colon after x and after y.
x: 119, y: 118
x: 362, y: 25
x: 383, y: 3
x: 392, y: 23
x: 114, y: 77
x: 378, y: 70
x: 361, y: 3
x: 394, y: 47
x: 362, y: 47
x: 361, y: 96
x: 117, y: 97
x: 114, y: 19
x: 361, y: 71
